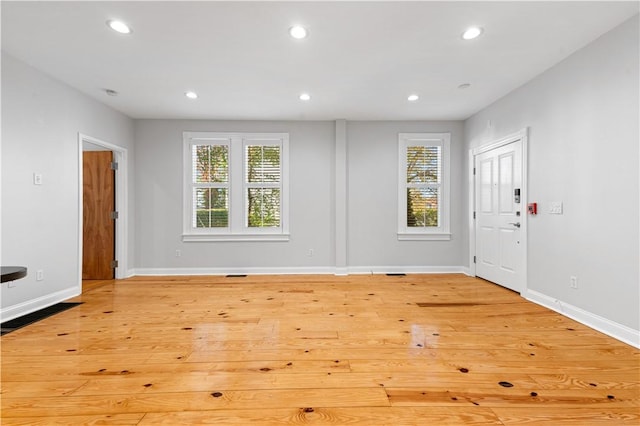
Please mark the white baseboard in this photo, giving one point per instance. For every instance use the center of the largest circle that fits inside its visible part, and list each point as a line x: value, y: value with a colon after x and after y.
x: 29, y: 306
x: 321, y: 270
x: 405, y: 269
x: 235, y: 271
x: 342, y: 271
x: 617, y: 331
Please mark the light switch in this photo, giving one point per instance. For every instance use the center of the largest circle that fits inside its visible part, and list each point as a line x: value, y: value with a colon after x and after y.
x: 555, y: 207
x: 37, y: 179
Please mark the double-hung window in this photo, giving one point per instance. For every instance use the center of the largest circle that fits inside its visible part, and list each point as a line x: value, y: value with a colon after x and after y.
x: 423, y: 186
x: 235, y: 186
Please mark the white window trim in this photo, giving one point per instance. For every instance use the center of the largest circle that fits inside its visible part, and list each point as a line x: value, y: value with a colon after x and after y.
x: 442, y: 232
x: 236, y: 231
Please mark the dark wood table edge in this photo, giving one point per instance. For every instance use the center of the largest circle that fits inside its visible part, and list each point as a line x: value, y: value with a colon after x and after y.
x: 11, y: 273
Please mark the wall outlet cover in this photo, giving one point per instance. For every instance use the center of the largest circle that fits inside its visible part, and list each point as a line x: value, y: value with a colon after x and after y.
x: 555, y: 207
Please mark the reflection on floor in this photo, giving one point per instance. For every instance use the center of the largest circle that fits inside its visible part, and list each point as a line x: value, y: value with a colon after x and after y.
x: 367, y: 349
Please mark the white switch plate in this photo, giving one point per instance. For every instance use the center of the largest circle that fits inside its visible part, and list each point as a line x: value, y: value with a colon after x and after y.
x: 37, y: 179
x: 555, y: 207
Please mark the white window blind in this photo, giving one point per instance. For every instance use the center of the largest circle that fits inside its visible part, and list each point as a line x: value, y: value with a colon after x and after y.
x: 236, y: 186
x: 210, y: 190
x: 262, y: 185
x: 423, y: 190
x: 424, y: 180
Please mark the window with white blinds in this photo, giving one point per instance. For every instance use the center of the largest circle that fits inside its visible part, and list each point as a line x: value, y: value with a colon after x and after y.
x: 423, y: 186
x: 210, y: 184
x: 262, y: 185
x: 236, y: 186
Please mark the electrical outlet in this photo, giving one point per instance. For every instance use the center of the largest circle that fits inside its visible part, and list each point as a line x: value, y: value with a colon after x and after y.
x: 39, y: 275
x: 178, y: 253
x: 310, y: 253
x: 573, y: 282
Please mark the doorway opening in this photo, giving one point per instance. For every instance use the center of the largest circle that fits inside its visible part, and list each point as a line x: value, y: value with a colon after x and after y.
x: 100, y: 238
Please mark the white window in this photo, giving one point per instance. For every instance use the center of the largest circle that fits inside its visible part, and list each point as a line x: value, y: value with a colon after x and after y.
x: 423, y: 186
x: 235, y: 186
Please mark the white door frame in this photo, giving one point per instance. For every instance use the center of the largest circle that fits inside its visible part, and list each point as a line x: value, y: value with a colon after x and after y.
x: 120, y: 157
x: 521, y: 135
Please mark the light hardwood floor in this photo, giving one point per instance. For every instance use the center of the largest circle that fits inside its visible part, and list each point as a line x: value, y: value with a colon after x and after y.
x: 369, y: 350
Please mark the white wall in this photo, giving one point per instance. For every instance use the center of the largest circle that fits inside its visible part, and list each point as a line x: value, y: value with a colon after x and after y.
x: 41, y: 119
x: 373, y: 200
x: 583, y: 150
x: 159, y: 199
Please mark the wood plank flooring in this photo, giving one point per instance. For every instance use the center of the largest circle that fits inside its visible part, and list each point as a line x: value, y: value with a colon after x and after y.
x: 325, y: 350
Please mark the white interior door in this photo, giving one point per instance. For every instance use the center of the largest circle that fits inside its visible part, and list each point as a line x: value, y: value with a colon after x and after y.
x: 500, y: 216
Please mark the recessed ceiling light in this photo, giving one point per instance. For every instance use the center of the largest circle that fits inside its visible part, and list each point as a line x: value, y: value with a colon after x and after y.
x: 298, y: 32
x: 191, y: 95
x: 413, y: 98
x: 464, y: 86
x: 119, y: 26
x: 305, y: 97
x: 472, y: 33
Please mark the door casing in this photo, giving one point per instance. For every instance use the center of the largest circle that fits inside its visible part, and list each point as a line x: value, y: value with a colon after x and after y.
x: 120, y: 156
x: 522, y: 136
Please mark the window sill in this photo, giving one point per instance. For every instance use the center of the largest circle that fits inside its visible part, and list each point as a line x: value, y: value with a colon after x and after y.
x: 424, y: 237
x: 234, y: 237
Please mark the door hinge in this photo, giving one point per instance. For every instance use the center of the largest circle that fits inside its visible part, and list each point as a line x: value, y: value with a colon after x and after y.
x: 114, y: 166
x: 474, y: 259
x: 114, y: 264
x: 474, y: 171
x: 114, y: 215
x: 474, y: 215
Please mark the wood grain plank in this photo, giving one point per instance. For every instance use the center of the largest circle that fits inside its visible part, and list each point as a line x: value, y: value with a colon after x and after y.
x: 180, y: 401
x: 572, y: 416
x: 370, y: 416
x: 493, y: 395
x: 106, y: 419
x: 354, y: 349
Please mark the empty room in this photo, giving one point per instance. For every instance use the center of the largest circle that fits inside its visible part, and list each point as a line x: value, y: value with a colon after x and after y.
x: 298, y: 212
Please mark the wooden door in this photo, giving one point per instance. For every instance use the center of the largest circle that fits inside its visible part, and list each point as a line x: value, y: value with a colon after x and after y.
x: 98, y: 248
x: 500, y: 217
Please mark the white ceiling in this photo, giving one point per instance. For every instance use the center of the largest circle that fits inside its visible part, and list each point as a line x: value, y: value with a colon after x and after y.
x: 360, y: 61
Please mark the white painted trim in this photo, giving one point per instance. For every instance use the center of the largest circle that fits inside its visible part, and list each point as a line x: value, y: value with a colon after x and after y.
x: 303, y: 270
x: 610, y: 328
x: 341, y: 194
x: 521, y: 135
x: 472, y: 208
x: 356, y: 270
x: 121, y: 157
x: 191, y: 238
x: 236, y: 143
x: 443, y: 140
x: 424, y: 237
x: 33, y: 305
x: 343, y: 271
